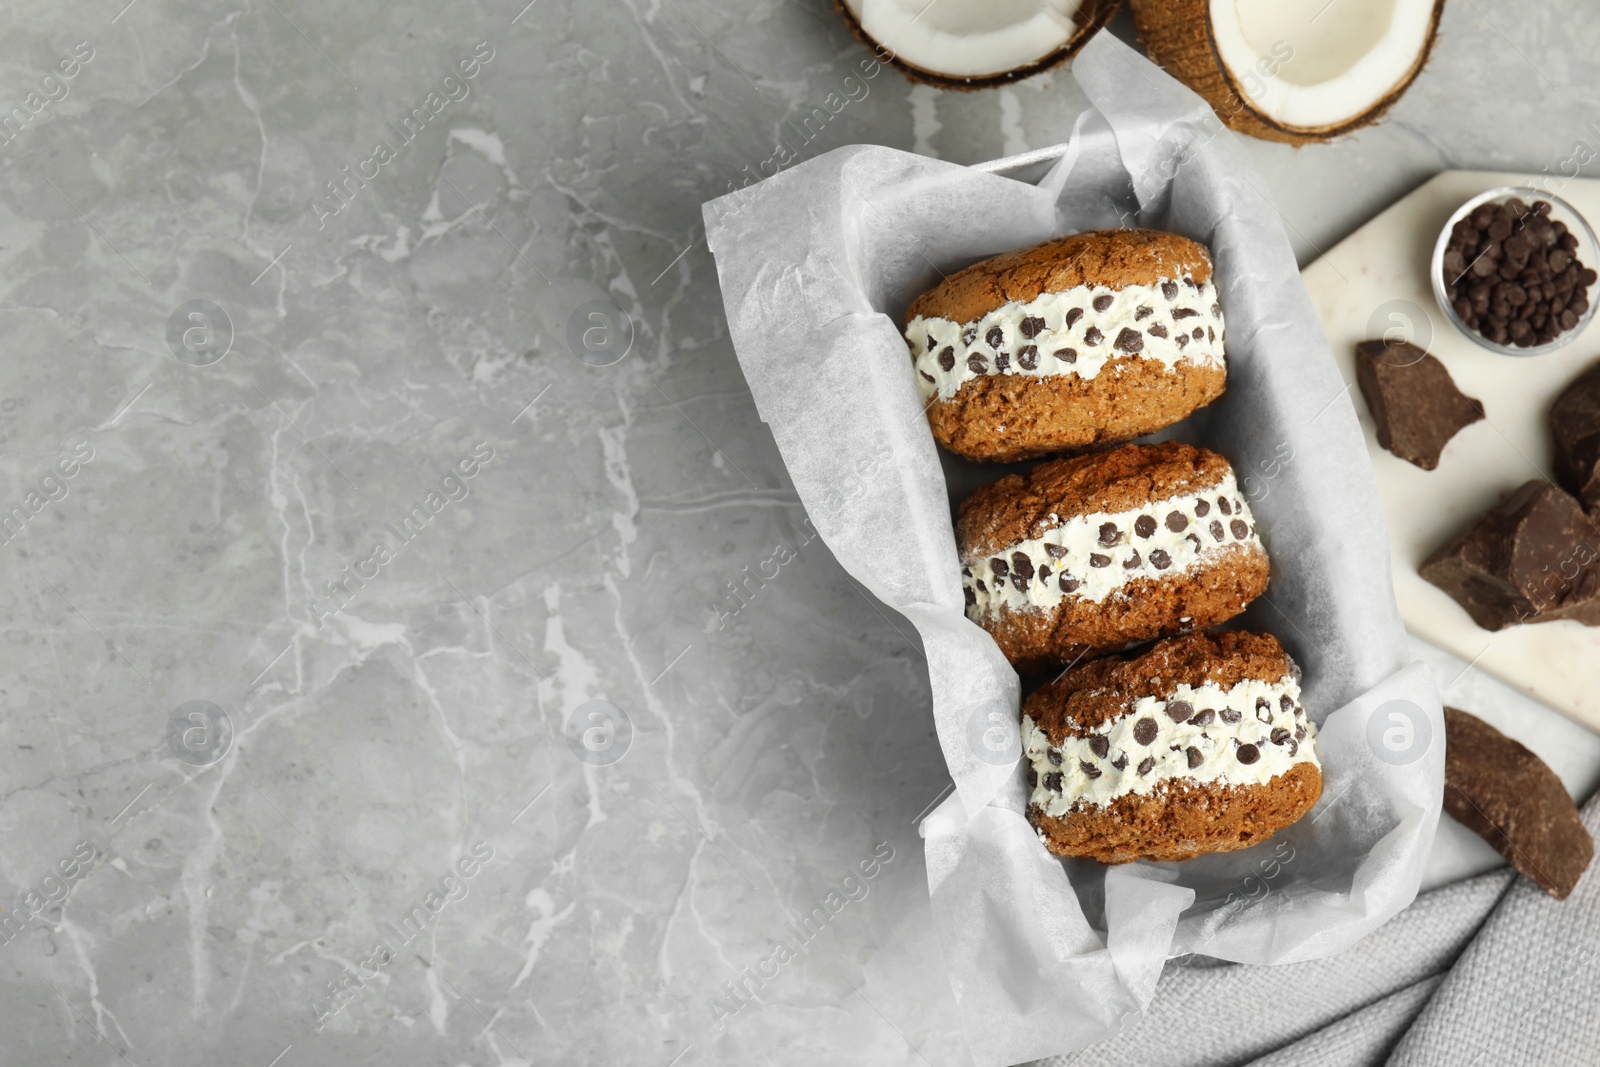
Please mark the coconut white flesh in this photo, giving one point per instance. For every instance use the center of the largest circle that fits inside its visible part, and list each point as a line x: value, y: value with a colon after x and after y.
x: 968, y: 38
x: 1312, y: 64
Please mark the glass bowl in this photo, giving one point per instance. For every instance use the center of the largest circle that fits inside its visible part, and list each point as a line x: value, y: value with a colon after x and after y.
x: 1587, y: 253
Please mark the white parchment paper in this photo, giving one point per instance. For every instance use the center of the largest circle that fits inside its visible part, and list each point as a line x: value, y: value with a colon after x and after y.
x: 817, y: 265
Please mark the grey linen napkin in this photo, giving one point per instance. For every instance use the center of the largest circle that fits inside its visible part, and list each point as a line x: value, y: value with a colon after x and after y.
x: 1488, y: 971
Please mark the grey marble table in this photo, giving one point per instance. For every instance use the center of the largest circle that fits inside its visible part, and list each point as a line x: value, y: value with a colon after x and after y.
x: 383, y: 682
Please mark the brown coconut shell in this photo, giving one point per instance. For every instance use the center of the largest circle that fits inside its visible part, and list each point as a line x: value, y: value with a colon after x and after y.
x: 1091, y: 18
x: 1178, y: 35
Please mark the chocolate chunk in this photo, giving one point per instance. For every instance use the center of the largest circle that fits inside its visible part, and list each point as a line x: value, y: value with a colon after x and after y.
x: 1031, y: 326
x: 1196, y: 757
x: 1414, y: 401
x: 1216, y: 529
x: 1144, y: 731
x: 977, y: 364
x: 1157, y: 329
x: 1247, y: 754
x: 1160, y: 560
x: 1021, y: 564
x: 1169, y: 289
x: 1534, y: 558
x: 1146, y: 765
x: 1132, y: 561
x: 947, y: 358
x: 1055, y: 551
x: 1102, y: 301
x: 1067, y: 355
x: 1100, y: 745
x: 1097, y: 560
x: 1202, y: 508
x: 1052, y: 781
x: 1129, y: 340
x: 999, y: 566
x: 1179, y: 710
x: 1508, y: 796
x: 1121, y: 762
x: 1054, y: 756
x: 1089, y: 769
x: 996, y: 337
x: 1073, y: 315
x: 1068, y: 583
x: 1240, y: 528
x: 969, y: 334
x: 1575, y: 424
x: 1203, y: 717
x: 1280, y: 735
x: 1144, y: 526
x: 1109, y: 533
x: 1142, y: 312
x: 1231, y: 715
x: 1028, y: 357
x: 1177, y: 521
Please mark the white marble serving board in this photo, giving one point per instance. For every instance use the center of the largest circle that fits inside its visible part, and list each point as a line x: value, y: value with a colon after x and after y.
x: 1377, y: 280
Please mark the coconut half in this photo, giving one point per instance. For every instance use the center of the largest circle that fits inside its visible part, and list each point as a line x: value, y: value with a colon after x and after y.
x: 969, y: 44
x: 1292, y: 70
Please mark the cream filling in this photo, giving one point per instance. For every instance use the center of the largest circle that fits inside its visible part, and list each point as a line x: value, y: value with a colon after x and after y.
x: 1090, y: 557
x: 1135, y: 753
x: 1173, y: 321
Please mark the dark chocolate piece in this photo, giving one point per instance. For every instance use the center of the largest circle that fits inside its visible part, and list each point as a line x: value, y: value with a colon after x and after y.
x: 1508, y: 796
x: 1534, y: 558
x: 1413, y: 400
x: 1575, y: 422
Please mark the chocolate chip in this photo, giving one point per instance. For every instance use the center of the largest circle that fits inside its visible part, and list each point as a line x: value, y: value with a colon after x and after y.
x: 1196, y: 757
x: 1183, y: 341
x: 996, y: 337
x: 1240, y: 528
x: 928, y: 343
x: 1145, y: 730
x: 1052, y: 781
x: 1280, y: 735
x: 1067, y: 355
x: 926, y: 375
x: 1198, y: 334
x: 977, y: 364
x: 1021, y: 564
x: 1089, y: 769
x: 1203, y: 717
x: 1054, y: 756
x: 1216, y: 311
x: 1247, y: 754
x: 980, y: 585
x: 1195, y: 539
x: 1000, y: 567
x: 1031, y: 326
x: 1144, y: 526
x: 1109, y: 533
x: 969, y: 334
x: 1033, y: 778
x: 1157, y: 330
x: 1044, y: 574
x: 972, y: 597
x: 1068, y: 583
x: 1160, y: 560
x: 1002, y: 360
x: 1092, y: 336
x: 1055, y: 551
x: 1179, y: 710
x: 1129, y: 340
x: 1177, y: 521
x: 1102, y: 302
x: 1073, y: 315
x: 1169, y: 289
x: 1121, y: 762
x: 1144, y: 311
x: 1019, y: 583
x: 1146, y: 765
x: 1231, y: 714
x: 1294, y: 748
x: 1227, y: 508
x: 1263, y: 710
x: 1202, y: 508
x: 1299, y: 733
x: 1100, y: 745
x: 1285, y: 702
x: 1132, y: 561
x: 1028, y: 357
x: 1184, y: 313
x: 1216, y: 529
x: 947, y: 358
x: 1097, y: 560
